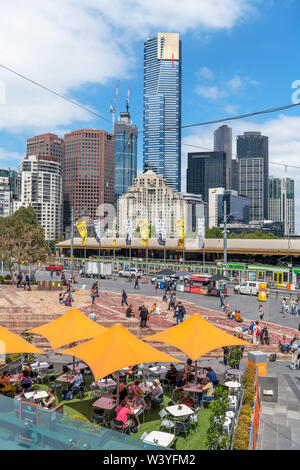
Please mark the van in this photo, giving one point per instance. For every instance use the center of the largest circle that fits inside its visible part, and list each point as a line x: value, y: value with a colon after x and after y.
x: 248, y: 287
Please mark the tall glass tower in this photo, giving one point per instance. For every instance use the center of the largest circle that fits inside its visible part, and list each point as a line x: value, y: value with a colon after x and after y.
x: 162, y: 107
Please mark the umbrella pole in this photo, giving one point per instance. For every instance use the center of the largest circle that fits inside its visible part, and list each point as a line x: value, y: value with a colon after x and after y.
x: 74, y: 365
x: 195, y: 372
x: 118, y: 387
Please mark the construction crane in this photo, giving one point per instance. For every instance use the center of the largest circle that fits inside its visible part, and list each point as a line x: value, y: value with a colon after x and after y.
x: 112, y: 109
x: 127, y: 100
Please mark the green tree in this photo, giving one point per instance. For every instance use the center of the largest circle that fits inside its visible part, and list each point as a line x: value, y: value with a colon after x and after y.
x: 213, y: 232
x: 22, y: 239
x: 215, y: 438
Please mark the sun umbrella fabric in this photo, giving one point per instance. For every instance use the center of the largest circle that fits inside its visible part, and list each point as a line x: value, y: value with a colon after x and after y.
x: 12, y: 343
x: 115, y: 349
x: 196, y: 337
x: 166, y: 272
x: 218, y: 277
x: 69, y: 328
x: 182, y: 274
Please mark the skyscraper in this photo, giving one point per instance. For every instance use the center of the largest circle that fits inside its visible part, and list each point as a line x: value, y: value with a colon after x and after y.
x: 205, y: 170
x: 88, y: 172
x: 223, y: 143
x: 48, y: 146
x: 253, y: 145
x: 252, y: 185
x: 162, y: 107
x: 125, y: 154
x: 282, y: 203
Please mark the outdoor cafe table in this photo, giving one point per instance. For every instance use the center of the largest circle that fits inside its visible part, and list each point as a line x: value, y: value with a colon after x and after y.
x: 38, y: 395
x: 105, y: 403
x: 103, y: 384
x: 14, y: 378
x: 78, y: 365
x: 157, y: 370
x: 179, y: 410
x: 232, y: 385
x: 39, y: 365
x: 193, y: 388
x: 163, y: 439
x: 200, y: 375
x: 233, y: 372
x: 64, y: 378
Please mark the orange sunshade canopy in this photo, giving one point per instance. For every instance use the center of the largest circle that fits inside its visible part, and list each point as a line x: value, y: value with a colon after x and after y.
x: 13, y: 343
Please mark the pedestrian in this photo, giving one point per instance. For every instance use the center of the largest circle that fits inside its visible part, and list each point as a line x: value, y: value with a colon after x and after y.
x: 124, y: 298
x: 96, y: 288
x: 51, y: 273
x: 92, y: 316
x: 129, y: 313
x: 136, y: 283
x: 225, y: 355
x: 179, y: 313
x: 19, y: 279
x: 222, y: 299
x: 261, y: 312
x: 156, y: 286
x: 27, y: 282
x: 286, y: 310
x: 93, y: 295
x: 296, y: 307
x: 144, y: 316
x: 172, y: 302
x: 256, y: 334
x: 226, y: 308
x: 69, y: 287
x: 283, y: 303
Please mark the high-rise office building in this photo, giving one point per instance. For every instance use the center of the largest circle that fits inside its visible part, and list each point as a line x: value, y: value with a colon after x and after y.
x: 234, y: 174
x: 253, y: 145
x: 41, y: 188
x: 162, y: 107
x: 223, y: 143
x: 282, y: 203
x: 205, y: 170
x: 252, y: 185
x: 88, y: 172
x: 9, y: 191
x: 237, y: 207
x: 125, y: 154
x: 48, y: 146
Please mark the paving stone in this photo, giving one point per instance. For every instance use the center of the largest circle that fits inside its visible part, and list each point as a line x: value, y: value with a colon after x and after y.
x: 291, y: 414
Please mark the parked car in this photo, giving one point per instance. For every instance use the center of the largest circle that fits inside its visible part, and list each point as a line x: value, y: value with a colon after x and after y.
x: 130, y: 273
x: 248, y: 287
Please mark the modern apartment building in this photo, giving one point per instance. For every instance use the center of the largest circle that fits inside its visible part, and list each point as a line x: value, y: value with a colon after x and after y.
x: 41, y: 188
x: 162, y: 107
x: 88, y: 170
x: 205, y: 170
x: 125, y: 154
x: 282, y: 203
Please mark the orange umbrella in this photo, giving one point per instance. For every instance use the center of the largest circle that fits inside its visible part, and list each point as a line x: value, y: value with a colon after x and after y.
x: 69, y: 328
x: 196, y: 336
x: 13, y: 343
x: 115, y: 349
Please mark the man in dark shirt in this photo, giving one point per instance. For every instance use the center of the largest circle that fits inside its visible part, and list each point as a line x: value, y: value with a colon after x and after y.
x: 212, y: 376
x: 129, y: 311
x: 122, y: 392
x: 143, y: 316
x: 180, y: 384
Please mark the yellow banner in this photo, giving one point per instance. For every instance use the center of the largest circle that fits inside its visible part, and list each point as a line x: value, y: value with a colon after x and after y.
x: 81, y: 226
x: 114, y: 233
x: 180, y: 230
x: 144, y: 231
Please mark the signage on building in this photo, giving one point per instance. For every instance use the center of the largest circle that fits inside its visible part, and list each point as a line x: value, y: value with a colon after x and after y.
x: 201, y: 231
x: 128, y: 227
x: 160, y: 227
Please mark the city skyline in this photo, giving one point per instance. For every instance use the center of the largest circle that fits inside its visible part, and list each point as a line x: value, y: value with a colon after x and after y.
x: 213, y: 85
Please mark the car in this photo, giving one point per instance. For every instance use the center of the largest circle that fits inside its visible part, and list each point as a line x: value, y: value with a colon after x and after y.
x: 161, y: 278
x: 248, y: 287
x: 55, y: 267
x: 130, y: 273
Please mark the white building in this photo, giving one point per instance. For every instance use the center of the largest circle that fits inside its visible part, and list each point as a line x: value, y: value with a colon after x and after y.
x: 150, y: 198
x: 282, y: 203
x: 41, y: 188
x: 5, y: 197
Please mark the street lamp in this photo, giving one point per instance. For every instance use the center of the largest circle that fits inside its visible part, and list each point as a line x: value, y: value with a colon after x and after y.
x: 226, y: 217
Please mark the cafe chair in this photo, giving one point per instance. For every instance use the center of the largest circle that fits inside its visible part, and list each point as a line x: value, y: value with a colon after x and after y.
x: 173, y: 445
x: 194, y: 418
x: 165, y: 422
x: 182, y: 427
x: 119, y: 426
x: 65, y: 369
x: 99, y: 418
x: 158, y: 401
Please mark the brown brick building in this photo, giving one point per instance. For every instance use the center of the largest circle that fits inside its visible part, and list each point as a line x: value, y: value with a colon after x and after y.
x: 48, y: 146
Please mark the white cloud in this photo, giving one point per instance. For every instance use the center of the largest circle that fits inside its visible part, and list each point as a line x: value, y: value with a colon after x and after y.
x: 13, y: 158
x: 205, y: 72
x: 211, y: 92
x: 231, y: 108
x: 235, y: 83
x: 66, y: 44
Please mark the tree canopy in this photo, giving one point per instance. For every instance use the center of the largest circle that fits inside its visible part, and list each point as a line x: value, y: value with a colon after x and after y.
x: 22, y: 239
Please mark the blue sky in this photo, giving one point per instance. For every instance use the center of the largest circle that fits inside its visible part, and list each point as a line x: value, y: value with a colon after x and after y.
x: 238, y: 56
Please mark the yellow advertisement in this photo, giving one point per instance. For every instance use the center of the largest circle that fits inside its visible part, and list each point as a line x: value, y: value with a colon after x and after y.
x: 262, y: 292
x: 144, y: 231
x: 81, y: 226
x: 114, y: 233
x: 180, y: 230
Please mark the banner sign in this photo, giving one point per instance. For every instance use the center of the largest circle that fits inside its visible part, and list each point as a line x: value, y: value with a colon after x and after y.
x: 160, y: 227
x: 81, y: 226
x: 180, y: 230
x: 128, y: 227
x: 201, y: 231
x: 144, y: 231
x: 97, y: 230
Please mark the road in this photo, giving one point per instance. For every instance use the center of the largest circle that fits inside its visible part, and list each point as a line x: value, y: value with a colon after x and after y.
x: 248, y: 305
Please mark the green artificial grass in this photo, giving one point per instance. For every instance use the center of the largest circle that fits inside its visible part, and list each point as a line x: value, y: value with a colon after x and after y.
x: 83, y: 408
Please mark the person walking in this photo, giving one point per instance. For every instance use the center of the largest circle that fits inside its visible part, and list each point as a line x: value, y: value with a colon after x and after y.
x: 180, y: 312
x: 261, y: 312
x: 136, y: 283
x: 225, y: 355
x: 222, y: 299
x: 124, y: 298
x: 283, y: 304
x: 27, y: 282
x: 96, y: 288
x: 93, y: 295
x: 172, y: 302
x: 144, y: 314
x: 51, y: 273
x: 256, y: 334
x: 19, y: 279
x: 156, y: 287
x: 226, y: 308
x: 68, y: 290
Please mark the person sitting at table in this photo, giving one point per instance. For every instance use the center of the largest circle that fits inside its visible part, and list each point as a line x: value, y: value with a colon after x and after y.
x: 124, y: 410
x: 188, y: 369
x: 76, y: 381
x: 130, y: 372
x: 139, y: 401
x: 212, y: 376
x: 5, y: 383
x: 25, y: 381
x: 206, y: 391
x: 50, y: 401
x: 171, y: 374
x: 132, y: 386
x: 122, y: 392
x: 154, y: 396
x: 179, y: 386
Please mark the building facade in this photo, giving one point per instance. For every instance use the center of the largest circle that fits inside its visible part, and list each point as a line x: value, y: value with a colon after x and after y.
x: 253, y: 145
x: 151, y: 198
x: 88, y: 170
x: 252, y: 185
x: 41, y: 188
x: 282, y: 203
x: 125, y: 154
x: 205, y: 170
x: 223, y: 143
x: 9, y: 191
x: 237, y: 207
x: 48, y: 146
x: 162, y: 107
